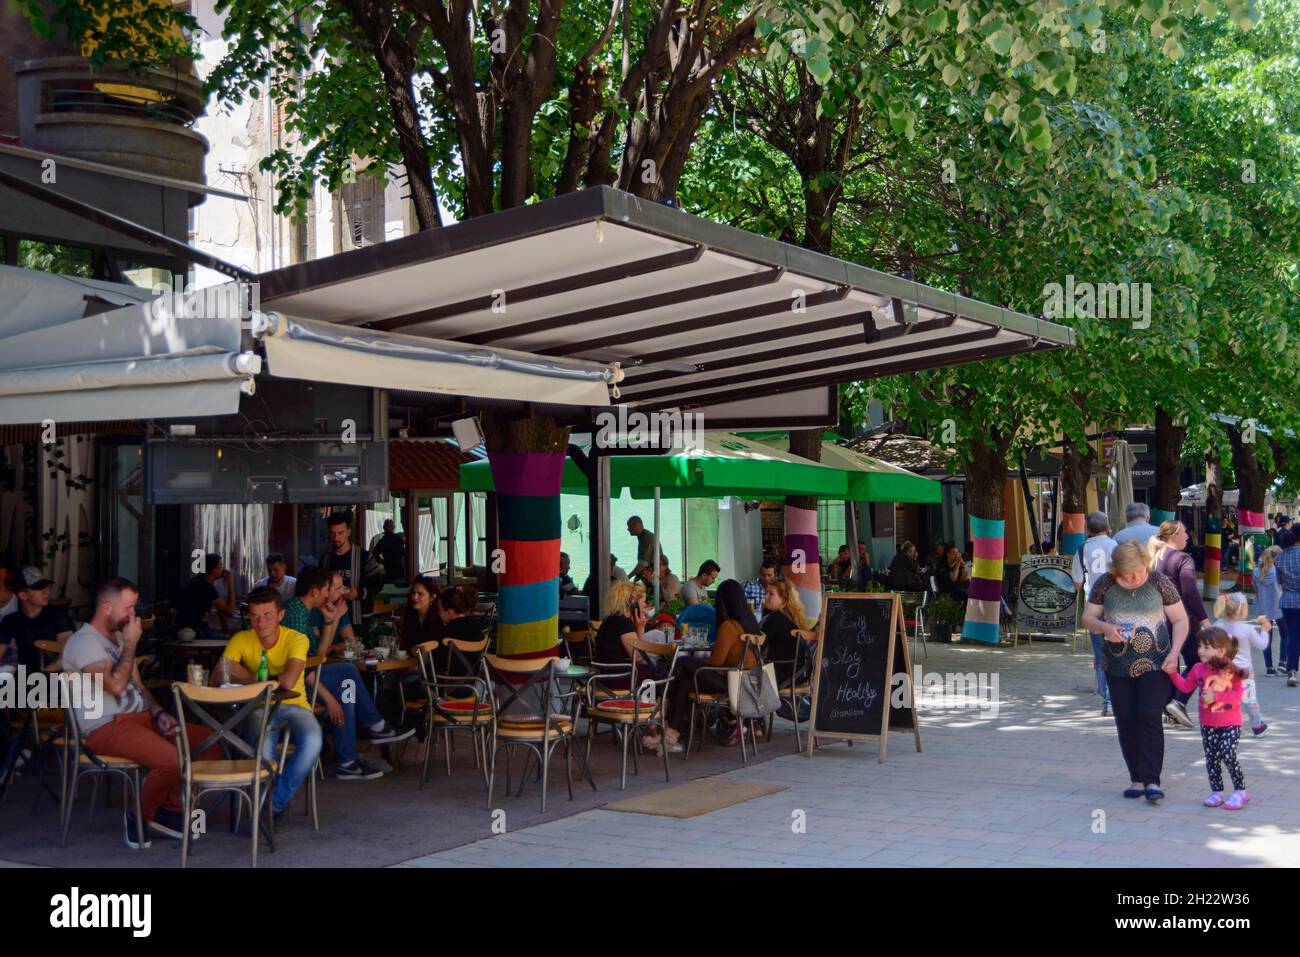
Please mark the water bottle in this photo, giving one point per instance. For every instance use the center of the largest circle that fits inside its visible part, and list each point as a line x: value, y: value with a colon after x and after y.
x: 264, y: 668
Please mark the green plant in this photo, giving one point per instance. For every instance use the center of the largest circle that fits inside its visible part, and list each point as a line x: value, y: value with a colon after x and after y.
x: 946, y: 610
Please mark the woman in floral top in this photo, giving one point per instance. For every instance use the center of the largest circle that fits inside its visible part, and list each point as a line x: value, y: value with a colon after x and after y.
x: 1134, y: 609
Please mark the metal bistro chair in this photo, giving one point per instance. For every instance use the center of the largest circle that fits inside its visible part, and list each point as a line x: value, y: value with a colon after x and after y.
x: 799, y: 685
x: 707, y: 702
x: 580, y: 644
x: 630, y: 712
x: 914, y: 603
x: 311, y: 675
x: 234, y: 776
x: 79, y: 762
x: 535, y: 726
x: 456, y: 702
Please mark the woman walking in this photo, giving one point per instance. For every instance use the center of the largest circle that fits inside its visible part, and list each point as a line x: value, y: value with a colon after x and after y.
x: 1135, y: 609
x: 1267, y: 597
x: 1288, y: 579
x: 1169, y: 558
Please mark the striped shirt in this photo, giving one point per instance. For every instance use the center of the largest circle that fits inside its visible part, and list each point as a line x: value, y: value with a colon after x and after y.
x: 1288, y: 577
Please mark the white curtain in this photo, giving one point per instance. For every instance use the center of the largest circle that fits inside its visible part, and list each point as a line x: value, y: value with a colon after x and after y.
x: 239, y: 534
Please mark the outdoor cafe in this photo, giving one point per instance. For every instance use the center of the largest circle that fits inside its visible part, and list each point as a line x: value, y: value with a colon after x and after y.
x: 451, y: 381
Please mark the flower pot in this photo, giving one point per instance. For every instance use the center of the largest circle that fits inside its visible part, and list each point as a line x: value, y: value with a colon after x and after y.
x: 941, y: 633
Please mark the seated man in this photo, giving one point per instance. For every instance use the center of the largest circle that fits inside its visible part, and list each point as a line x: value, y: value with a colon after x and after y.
x: 696, y: 590
x: 756, y: 589
x: 345, y: 703
x: 130, y: 724
x: 276, y: 577
x: 35, y: 620
x: 567, y: 585
x: 286, y: 654
x: 201, y: 596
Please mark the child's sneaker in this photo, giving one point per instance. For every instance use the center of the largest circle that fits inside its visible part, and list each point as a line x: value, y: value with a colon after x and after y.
x: 1258, y: 729
x: 1214, y: 800
x: 1236, y: 801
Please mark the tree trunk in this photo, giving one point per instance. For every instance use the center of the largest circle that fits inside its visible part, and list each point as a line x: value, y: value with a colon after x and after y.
x: 986, y: 473
x: 1077, y: 459
x: 1213, y: 525
x: 1169, y: 466
x: 1252, y: 488
x: 527, y: 461
x: 802, y: 563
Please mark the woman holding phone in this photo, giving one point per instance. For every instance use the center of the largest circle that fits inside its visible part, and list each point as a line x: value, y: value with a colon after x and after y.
x: 1135, y: 610
x: 625, y: 620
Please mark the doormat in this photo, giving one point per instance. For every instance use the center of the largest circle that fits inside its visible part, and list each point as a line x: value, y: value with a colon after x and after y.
x: 696, y: 798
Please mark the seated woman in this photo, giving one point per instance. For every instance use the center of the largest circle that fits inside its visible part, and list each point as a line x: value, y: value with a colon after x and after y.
x: 624, y: 622
x: 904, y: 571
x: 785, y: 615
x: 956, y: 581
x: 455, y: 620
x: 734, y: 620
x: 420, y: 622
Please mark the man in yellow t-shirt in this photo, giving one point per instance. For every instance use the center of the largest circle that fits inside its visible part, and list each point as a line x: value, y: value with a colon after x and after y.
x: 286, y: 658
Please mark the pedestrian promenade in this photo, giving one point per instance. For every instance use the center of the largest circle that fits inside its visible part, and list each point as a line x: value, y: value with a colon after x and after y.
x: 1037, y: 785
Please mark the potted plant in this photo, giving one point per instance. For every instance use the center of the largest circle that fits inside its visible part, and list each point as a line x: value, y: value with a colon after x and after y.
x: 943, y: 615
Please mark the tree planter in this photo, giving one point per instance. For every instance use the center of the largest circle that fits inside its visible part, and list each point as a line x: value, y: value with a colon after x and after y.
x: 941, y: 633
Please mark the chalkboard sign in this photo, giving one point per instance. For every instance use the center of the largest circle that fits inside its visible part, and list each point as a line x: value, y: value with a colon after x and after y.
x: 862, y: 682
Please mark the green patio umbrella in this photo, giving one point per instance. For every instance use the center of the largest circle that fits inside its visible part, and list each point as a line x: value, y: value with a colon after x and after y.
x: 869, y: 480
x: 721, y: 464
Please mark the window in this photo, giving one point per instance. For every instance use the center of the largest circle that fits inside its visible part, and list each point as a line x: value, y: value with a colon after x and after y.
x: 56, y: 258
x: 359, y: 214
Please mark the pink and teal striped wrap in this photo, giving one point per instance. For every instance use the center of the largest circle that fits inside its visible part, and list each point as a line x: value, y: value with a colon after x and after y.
x: 803, y: 547
x: 984, y: 607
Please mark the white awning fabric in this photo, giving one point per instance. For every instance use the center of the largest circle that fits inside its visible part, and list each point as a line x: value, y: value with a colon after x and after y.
x: 307, y: 349
x: 139, y: 361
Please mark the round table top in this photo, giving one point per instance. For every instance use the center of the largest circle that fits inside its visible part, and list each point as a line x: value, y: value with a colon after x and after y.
x: 388, y: 664
x: 199, y: 644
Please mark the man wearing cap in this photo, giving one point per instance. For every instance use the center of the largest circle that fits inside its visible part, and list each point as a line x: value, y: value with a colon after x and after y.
x: 35, y: 620
x: 1283, y: 524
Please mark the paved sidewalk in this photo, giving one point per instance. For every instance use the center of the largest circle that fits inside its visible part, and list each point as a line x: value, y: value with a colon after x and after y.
x: 1037, y: 785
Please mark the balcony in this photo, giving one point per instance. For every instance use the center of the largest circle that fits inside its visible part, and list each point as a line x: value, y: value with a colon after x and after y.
x: 135, y: 120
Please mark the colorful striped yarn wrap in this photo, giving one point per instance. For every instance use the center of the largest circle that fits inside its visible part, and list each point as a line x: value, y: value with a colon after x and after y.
x: 1250, y: 523
x: 801, y: 541
x: 528, y: 511
x: 1213, y: 556
x: 984, y: 607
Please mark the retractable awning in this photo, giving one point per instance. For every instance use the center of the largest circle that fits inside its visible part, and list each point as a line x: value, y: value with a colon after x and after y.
x: 87, y: 351
x: 306, y: 349
x: 697, y: 313
x: 62, y: 361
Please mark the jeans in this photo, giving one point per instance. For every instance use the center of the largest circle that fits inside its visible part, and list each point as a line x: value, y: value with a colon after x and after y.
x: 1289, y: 652
x: 305, y: 735
x: 1099, y: 666
x: 1139, y: 705
x: 1279, y: 629
x: 358, y: 707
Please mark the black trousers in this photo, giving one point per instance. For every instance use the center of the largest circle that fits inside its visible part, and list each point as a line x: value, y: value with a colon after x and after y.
x: 1139, y: 706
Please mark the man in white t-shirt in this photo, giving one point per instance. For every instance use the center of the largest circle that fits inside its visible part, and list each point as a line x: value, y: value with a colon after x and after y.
x: 276, y: 577
x: 124, y: 720
x: 1090, y: 563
